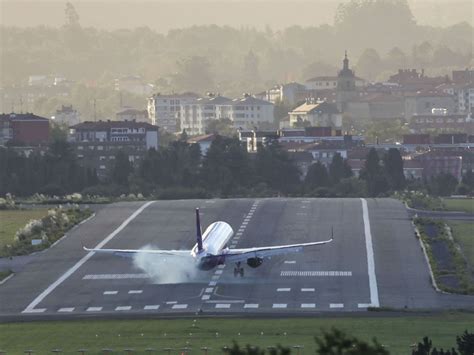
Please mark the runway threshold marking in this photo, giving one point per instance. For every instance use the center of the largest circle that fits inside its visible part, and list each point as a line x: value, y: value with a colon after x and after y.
x: 123, y: 308
x: 222, y: 305
x: 94, y: 309
x: 30, y: 308
x: 374, y: 293
x: 315, y: 273
x: 251, y: 305
x: 279, y: 305
x: 180, y: 306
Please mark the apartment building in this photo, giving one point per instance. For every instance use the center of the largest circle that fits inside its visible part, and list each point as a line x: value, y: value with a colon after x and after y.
x: 97, y: 143
x: 23, y: 129
x: 247, y: 112
x: 165, y: 110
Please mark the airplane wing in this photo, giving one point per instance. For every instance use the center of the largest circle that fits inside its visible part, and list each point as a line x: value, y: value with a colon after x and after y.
x: 235, y: 255
x: 131, y: 252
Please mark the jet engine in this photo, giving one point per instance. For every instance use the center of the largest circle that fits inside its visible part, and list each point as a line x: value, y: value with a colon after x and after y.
x: 254, y: 262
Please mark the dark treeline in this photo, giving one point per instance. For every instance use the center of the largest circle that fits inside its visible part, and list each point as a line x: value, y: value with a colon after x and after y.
x: 227, y: 170
x: 54, y: 173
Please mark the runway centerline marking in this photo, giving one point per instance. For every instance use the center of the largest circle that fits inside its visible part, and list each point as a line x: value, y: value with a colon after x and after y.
x: 336, y: 305
x: 374, y: 293
x: 308, y: 305
x: 279, y: 305
x: 284, y: 289
x: 290, y: 261
x: 307, y: 290
x: 66, y: 309
x: 94, y: 309
x: 131, y: 292
x: 73, y: 269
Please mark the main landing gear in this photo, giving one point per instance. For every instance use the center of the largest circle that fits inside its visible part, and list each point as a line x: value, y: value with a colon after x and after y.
x: 238, y: 270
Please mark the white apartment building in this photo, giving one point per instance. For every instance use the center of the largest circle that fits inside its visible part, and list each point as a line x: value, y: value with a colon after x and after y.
x: 285, y: 93
x: 247, y: 112
x: 164, y: 110
x: 463, y: 95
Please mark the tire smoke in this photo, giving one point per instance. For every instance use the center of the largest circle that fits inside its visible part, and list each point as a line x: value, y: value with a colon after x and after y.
x: 167, y: 269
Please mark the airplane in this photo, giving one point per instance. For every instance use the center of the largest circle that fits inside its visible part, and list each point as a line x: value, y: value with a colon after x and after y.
x: 211, y: 249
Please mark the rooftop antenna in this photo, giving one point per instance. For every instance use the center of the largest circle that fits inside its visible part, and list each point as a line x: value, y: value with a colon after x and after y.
x: 95, y: 111
x: 21, y: 104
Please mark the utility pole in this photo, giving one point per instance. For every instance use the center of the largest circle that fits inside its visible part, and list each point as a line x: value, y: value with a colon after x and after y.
x: 95, y: 110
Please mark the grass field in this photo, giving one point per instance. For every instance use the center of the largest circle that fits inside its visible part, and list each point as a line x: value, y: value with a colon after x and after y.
x: 12, y: 220
x: 396, y: 333
x: 463, y: 233
x: 459, y: 204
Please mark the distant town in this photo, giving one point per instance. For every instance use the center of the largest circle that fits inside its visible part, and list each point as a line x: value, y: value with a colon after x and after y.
x: 312, y: 121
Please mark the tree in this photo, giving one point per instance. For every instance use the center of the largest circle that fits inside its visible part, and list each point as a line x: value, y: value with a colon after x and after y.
x: 393, y: 166
x: 442, y: 185
x: 122, y: 169
x: 194, y: 74
x: 465, y: 343
x: 222, y: 126
x: 373, y: 175
x: 369, y: 64
x: 339, y: 169
x: 336, y: 342
x: 72, y: 17
x: 317, y: 176
x: 250, y: 68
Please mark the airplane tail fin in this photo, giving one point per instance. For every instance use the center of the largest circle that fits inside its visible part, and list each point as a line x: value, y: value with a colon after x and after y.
x: 198, y: 231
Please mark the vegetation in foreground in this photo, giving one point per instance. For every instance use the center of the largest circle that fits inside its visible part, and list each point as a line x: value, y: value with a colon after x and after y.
x: 39, y: 234
x: 396, y: 334
x: 463, y: 234
x: 13, y: 220
x: 459, y: 204
x: 450, y: 269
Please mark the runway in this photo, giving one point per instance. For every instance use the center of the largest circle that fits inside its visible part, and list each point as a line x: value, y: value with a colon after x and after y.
x: 375, y: 260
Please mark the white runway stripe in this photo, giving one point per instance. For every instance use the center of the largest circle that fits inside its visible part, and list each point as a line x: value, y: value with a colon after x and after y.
x: 279, y: 305
x: 283, y: 289
x: 213, y: 283
x: 110, y: 292
x: 34, y: 310
x: 135, y: 292
x: 336, y: 305
x: 151, y: 307
x: 76, y: 266
x: 205, y: 297
x: 209, y: 290
x: 374, y: 293
x: 290, y: 261
x: 180, y: 306
x: 364, y: 305
x: 171, y: 302
x: 223, y: 305
x: 123, y: 308
x: 115, y: 276
x: 66, y: 309
x: 307, y: 290
x: 308, y: 305
x: 94, y: 309
x: 251, y: 305
x: 316, y: 273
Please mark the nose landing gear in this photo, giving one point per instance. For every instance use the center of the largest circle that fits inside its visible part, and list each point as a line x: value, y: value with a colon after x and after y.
x: 238, y: 270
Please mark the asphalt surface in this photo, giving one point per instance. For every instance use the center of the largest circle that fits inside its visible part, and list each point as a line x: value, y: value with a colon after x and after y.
x: 373, y: 261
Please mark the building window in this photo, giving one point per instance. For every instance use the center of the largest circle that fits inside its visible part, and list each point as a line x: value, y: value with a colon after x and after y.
x: 99, y: 147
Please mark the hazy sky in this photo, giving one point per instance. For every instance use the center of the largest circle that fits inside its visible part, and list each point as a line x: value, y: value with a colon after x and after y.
x: 163, y: 15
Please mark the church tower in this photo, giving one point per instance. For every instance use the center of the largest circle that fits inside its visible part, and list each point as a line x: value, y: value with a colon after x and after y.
x: 346, y: 88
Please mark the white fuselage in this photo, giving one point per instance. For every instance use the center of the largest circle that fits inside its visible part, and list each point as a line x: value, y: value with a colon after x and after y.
x: 214, y: 239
